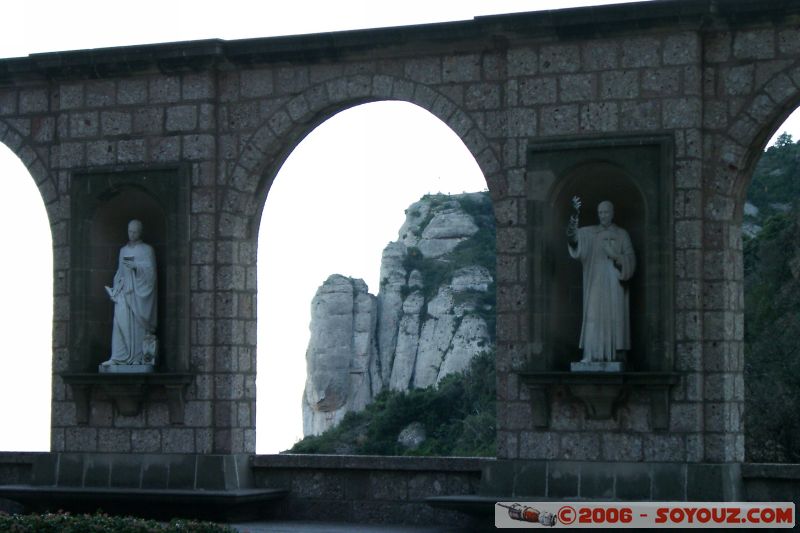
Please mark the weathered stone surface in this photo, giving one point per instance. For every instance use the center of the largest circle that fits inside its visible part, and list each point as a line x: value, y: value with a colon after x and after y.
x: 410, y: 335
x: 339, y: 352
x: 412, y: 436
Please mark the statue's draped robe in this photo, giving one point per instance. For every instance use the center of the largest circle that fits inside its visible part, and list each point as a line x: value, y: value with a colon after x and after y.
x: 135, y: 307
x: 606, y: 310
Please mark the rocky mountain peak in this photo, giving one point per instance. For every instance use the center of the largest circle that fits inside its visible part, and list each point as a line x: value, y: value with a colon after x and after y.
x: 433, y: 313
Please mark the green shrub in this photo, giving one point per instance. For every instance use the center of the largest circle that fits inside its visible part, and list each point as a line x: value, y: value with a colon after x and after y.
x: 84, y: 523
x: 458, y: 416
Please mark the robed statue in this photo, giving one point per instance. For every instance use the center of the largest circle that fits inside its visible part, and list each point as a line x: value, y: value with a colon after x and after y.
x: 134, y: 295
x: 606, y: 253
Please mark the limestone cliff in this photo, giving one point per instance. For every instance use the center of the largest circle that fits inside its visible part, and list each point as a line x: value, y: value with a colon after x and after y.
x: 433, y: 313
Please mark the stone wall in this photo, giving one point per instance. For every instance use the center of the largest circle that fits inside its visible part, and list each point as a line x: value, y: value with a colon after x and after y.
x: 717, y: 77
x: 365, y: 489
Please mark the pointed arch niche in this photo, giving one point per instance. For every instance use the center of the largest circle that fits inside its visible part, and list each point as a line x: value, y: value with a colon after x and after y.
x: 26, y: 310
x: 336, y: 202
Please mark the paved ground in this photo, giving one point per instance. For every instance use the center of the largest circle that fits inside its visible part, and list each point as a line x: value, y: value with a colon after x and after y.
x: 332, y: 527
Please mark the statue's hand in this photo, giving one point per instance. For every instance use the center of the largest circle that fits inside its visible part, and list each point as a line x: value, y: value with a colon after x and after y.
x: 572, y: 228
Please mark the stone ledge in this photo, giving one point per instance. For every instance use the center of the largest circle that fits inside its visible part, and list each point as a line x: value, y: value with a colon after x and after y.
x: 600, y: 392
x: 372, y: 462
x: 128, y: 391
x: 788, y: 471
x: 205, y: 53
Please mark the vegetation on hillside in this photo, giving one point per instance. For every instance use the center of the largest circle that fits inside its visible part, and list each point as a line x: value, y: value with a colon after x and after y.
x: 458, y: 416
x: 772, y: 313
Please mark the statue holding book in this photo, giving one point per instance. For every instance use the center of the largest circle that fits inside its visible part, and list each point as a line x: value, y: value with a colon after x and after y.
x: 134, y: 293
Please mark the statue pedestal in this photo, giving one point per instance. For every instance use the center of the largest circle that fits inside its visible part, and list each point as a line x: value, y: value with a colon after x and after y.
x: 126, y: 369
x: 597, y: 366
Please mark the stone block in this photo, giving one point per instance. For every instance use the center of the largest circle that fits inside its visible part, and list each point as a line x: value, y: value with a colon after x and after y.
x: 539, y: 445
x: 33, y: 101
x: 662, y: 448
x: 424, y: 70
x: 70, y: 96
x: 70, y: 470
x: 291, y: 80
x: 682, y: 113
x: 558, y: 120
x: 148, y: 120
x: 177, y: 440
x: 559, y: 58
x: 126, y: 472
x: 115, y: 123
x: 83, y: 124
x: 197, y: 86
x: 198, y: 147
x: 131, y: 91
x: 522, y: 122
x: 229, y: 386
x: 622, y: 84
x: 580, y: 446
x: 599, y: 117
x: 688, y: 234
x: 577, y: 87
x: 145, y: 441
x: 681, y: 49
x: 164, y: 148
x: 101, y: 153
x: 633, y: 482
x: 462, y: 68
x: 522, y: 62
x: 686, y: 417
x: 100, y: 93
x: 601, y: 55
x: 622, y: 447
x: 113, y: 440
x: 669, y: 482
x: 641, y: 52
x: 165, y: 89
x: 539, y: 90
x: 597, y: 482
x: 298, y: 108
x: 319, y: 485
x: 754, y: 44
x: 181, y: 118
x: 154, y: 474
x: 661, y: 82
x: 131, y: 151
x: 563, y: 479
x: 482, y: 96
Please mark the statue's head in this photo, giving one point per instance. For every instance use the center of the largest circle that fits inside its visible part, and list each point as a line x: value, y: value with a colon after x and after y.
x: 605, y: 213
x: 134, y: 230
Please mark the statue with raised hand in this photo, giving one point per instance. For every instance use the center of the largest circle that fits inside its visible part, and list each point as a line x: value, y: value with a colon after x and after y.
x: 606, y: 253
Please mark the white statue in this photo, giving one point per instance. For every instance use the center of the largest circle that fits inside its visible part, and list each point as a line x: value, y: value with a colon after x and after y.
x: 606, y: 253
x: 134, y: 295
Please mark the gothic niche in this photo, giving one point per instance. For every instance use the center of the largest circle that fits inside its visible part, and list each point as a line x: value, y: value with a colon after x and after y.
x: 102, y: 206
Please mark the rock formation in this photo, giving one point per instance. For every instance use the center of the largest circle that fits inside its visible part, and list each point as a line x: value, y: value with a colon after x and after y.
x: 434, y: 311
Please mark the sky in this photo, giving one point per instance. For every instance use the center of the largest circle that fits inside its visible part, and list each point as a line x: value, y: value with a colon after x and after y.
x: 364, y: 166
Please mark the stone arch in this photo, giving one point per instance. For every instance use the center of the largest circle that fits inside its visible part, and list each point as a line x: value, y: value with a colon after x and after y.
x: 25, y: 310
x: 32, y: 160
x: 729, y: 169
x: 740, y: 146
x: 266, y: 150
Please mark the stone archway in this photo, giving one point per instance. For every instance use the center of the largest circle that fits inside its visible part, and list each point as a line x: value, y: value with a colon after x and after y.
x: 265, y: 151
x: 27, y: 285
x: 268, y: 291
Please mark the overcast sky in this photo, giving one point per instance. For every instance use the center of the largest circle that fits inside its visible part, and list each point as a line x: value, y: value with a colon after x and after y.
x: 344, y: 188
